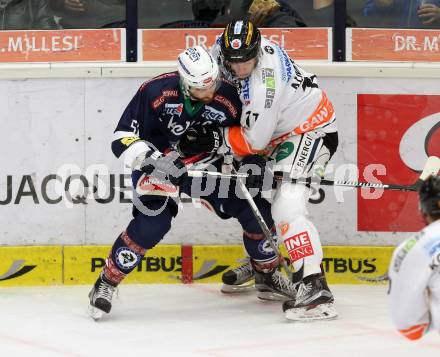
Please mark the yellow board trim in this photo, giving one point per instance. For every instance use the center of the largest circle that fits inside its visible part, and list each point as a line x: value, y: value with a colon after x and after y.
x: 72, y: 265
x: 161, y: 265
x: 37, y: 265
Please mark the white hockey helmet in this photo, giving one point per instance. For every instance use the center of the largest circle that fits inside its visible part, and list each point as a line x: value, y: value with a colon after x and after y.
x: 197, y: 69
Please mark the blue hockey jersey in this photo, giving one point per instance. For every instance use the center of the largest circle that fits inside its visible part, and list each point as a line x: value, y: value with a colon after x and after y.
x: 159, y: 114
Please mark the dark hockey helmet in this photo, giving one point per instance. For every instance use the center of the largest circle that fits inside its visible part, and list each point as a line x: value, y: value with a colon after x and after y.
x: 240, y: 41
x: 429, y: 196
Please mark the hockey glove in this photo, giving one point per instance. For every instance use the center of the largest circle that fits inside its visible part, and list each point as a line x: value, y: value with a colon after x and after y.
x: 200, y: 139
x: 257, y: 169
x: 167, y: 167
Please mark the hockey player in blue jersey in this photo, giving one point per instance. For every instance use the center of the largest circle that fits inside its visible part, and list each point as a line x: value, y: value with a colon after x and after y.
x: 147, y: 138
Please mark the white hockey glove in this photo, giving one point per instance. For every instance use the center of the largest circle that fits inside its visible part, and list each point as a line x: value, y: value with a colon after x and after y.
x: 167, y: 167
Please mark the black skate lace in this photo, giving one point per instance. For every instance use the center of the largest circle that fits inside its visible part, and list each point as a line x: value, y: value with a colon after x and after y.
x: 105, y: 291
x: 282, y: 282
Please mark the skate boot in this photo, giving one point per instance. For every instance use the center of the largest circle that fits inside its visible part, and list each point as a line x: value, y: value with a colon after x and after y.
x: 239, y: 280
x: 101, y: 297
x: 314, y: 301
x: 274, y: 286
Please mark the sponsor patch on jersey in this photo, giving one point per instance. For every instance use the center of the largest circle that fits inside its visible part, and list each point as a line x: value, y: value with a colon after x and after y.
x: 158, y: 102
x: 227, y: 103
x: 403, y: 252
x: 432, y: 247
x: 299, y: 246
x: 174, y: 109
x: 129, y: 140
x: 435, y: 263
x: 269, y: 50
x: 268, y: 75
x: 170, y: 93
x: 286, y: 65
x: 126, y: 258
x: 177, y: 129
x: 245, y: 91
x: 323, y: 115
x: 284, y: 151
x: 214, y: 115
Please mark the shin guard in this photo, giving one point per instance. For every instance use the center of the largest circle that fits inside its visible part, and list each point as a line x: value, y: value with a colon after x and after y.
x: 123, y: 258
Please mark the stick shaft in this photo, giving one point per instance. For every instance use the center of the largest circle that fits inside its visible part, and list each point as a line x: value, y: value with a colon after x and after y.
x: 355, y: 184
x: 431, y: 167
x: 262, y: 223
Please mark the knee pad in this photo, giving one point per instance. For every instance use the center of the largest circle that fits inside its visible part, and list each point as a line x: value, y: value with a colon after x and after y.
x: 289, y: 201
x: 143, y: 232
x: 241, y: 210
x: 147, y: 231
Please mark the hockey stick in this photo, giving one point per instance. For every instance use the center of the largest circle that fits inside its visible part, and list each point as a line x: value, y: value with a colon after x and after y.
x: 258, y: 216
x: 432, y: 166
x: 254, y: 208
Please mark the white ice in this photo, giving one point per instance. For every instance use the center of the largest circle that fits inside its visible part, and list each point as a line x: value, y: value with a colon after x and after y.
x: 196, y: 320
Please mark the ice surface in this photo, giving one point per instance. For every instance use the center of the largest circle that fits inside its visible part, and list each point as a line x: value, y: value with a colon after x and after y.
x: 196, y: 320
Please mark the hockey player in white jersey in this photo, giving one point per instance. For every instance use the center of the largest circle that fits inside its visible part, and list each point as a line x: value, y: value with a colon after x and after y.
x: 414, y: 271
x: 288, y: 120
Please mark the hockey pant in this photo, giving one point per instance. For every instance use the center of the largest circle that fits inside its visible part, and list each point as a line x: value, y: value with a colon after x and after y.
x: 300, y: 156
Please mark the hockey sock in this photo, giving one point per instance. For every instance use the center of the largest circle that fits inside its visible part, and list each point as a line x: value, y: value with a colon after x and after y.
x: 123, y: 258
x: 260, y: 251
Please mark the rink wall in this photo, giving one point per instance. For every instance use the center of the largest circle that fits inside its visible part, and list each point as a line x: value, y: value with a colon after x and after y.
x: 58, y: 120
x: 171, y: 264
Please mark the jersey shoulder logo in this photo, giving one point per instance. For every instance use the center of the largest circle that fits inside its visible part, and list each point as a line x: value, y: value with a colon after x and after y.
x: 269, y: 50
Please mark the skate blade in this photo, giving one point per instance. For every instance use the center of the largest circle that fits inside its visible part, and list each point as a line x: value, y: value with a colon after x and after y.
x: 237, y: 289
x: 320, y: 312
x: 95, y: 314
x: 272, y: 296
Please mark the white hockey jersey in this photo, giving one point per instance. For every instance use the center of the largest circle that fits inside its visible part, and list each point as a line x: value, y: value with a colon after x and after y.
x: 280, y: 99
x: 415, y: 283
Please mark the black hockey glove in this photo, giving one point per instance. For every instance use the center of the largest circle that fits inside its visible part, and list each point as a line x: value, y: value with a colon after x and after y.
x: 200, y: 139
x: 257, y: 168
x: 167, y: 167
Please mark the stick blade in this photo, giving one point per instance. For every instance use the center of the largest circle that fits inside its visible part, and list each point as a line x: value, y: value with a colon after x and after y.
x: 431, y: 167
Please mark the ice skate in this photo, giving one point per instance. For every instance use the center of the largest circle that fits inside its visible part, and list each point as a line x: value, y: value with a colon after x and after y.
x: 239, y: 280
x: 274, y: 286
x: 314, y: 301
x: 101, y: 298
